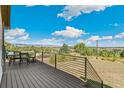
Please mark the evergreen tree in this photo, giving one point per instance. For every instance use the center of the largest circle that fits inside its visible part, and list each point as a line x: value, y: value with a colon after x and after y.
x: 64, y: 49
x: 82, y: 49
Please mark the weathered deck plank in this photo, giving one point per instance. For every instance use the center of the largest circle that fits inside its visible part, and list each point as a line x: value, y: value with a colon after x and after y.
x: 31, y: 79
x: 24, y: 82
x: 4, y: 81
x: 14, y: 82
x: 19, y: 83
x: 56, y: 78
x: 9, y: 80
x: 38, y: 75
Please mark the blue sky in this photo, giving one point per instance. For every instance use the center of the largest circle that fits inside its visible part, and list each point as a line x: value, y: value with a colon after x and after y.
x: 55, y: 25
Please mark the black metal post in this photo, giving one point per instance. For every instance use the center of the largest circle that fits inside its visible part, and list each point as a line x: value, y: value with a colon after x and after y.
x: 102, y: 84
x: 97, y: 49
x: 55, y: 61
x: 34, y: 59
x: 42, y: 56
x: 85, y: 69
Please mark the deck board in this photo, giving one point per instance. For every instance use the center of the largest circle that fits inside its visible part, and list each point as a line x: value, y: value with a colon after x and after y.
x: 38, y: 75
x: 4, y: 81
x: 19, y: 83
x: 9, y: 80
x: 41, y: 81
x: 32, y: 79
x: 14, y: 81
x: 27, y: 78
x: 57, y: 79
x: 24, y: 82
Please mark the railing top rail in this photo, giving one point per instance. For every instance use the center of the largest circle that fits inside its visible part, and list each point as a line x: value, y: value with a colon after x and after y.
x: 49, y: 52
x: 73, y: 56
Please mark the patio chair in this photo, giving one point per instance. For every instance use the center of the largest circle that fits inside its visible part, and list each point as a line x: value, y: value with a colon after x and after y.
x: 25, y: 57
x: 9, y: 57
x: 17, y: 56
x: 32, y: 56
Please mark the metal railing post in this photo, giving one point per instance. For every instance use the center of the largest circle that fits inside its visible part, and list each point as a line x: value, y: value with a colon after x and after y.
x: 102, y: 84
x: 42, y: 56
x: 55, y: 61
x: 85, y: 69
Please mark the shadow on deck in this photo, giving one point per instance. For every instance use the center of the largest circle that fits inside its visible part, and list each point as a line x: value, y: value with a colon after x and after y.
x: 38, y: 75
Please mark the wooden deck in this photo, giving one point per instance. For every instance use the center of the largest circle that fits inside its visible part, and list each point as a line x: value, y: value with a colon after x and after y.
x: 38, y: 75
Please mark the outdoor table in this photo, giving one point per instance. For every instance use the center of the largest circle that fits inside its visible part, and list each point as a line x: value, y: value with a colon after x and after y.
x: 12, y: 56
x: 22, y: 56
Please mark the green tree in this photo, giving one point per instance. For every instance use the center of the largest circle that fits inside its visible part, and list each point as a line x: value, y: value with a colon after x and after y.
x: 83, y: 50
x: 106, y: 53
x: 122, y: 54
x: 103, y: 53
x: 79, y: 47
x: 64, y: 49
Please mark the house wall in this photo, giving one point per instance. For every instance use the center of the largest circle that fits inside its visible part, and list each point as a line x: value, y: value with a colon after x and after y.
x: 1, y: 72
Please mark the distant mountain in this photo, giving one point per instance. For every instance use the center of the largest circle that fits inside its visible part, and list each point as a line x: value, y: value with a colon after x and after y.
x: 39, y: 45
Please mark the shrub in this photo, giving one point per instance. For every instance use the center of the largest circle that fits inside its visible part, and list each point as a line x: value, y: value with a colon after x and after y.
x: 122, y: 54
x: 64, y: 49
x: 83, y: 50
x: 60, y: 58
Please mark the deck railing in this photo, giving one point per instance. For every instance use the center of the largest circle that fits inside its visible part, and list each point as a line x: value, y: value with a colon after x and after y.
x: 77, y: 66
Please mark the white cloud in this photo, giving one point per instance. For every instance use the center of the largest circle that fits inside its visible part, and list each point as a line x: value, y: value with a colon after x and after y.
x: 106, y: 37
x: 94, y: 38
x: 9, y: 38
x: 70, y: 32
x: 26, y: 37
x: 16, y: 35
x: 80, y: 41
x: 15, y: 32
x: 35, y: 5
x: 115, y: 24
x: 50, y: 41
x: 75, y: 10
x: 121, y: 35
x: 113, y: 42
x: 30, y: 5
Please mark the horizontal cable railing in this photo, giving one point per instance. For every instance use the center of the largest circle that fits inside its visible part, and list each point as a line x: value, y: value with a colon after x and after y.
x: 47, y: 57
x: 72, y: 65
x: 92, y: 77
x: 77, y: 66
